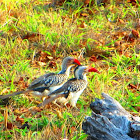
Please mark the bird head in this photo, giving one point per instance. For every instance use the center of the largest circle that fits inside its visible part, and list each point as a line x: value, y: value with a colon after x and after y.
x: 81, y: 70
x: 68, y: 61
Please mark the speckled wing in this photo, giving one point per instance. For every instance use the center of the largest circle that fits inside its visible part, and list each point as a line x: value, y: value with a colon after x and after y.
x: 49, y: 80
x: 72, y: 85
x: 40, y: 81
x: 55, y: 80
x: 65, y: 89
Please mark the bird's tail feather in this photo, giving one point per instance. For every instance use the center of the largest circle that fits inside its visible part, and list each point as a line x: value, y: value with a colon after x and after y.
x: 39, y: 89
x: 13, y: 94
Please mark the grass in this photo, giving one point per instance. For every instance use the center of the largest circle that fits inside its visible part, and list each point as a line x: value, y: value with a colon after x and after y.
x: 30, y: 30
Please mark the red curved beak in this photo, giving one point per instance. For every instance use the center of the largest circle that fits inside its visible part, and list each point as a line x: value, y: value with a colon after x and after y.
x: 91, y: 69
x: 76, y: 61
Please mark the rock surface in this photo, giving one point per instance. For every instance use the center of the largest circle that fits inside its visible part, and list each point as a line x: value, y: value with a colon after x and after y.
x: 110, y: 121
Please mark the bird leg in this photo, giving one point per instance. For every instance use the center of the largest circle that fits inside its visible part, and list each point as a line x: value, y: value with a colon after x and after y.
x: 55, y: 102
x: 75, y: 108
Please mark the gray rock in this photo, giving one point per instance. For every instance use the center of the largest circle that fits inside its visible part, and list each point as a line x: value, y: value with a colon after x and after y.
x: 110, y: 121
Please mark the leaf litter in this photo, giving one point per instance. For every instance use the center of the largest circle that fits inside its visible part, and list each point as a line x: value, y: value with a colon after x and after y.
x: 124, y: 40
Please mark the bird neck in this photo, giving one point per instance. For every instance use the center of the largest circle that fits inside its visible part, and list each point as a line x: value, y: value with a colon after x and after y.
x: 82, y: 76
x: 66, y: 70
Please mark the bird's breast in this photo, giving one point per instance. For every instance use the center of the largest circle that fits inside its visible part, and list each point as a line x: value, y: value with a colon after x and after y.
x: 40, y: 94
x: 55, y: 88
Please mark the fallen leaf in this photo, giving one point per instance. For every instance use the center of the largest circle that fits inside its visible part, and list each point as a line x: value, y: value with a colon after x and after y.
x: 5, y: 117
x: 54, y: 48
x: 137, y: 108
x: 31, y: 35
x: 133, y: 2
x: 38, y: 116
x: 117, y: 43
x: 9, y: 125
x: 36, y: 109
x: 21, y: 111
x: 93, y: 58
x: 82, y: 25
x: 52, y: 64
x: 21, y: 120
x: 121, y: 21
x: 135, y: 33
x: 43, y: 57
x: 24, y: 110
x: 17, y: 112
x: 73, y: 129
x: 132, y: 86
x: 90, y: 12
x: 129, y: 38
x: 84, y: 42
x: 21, y: 79
x: 41, y: 63
x: 84, y: 14
x: 86, y: 2
x: 59, y: 114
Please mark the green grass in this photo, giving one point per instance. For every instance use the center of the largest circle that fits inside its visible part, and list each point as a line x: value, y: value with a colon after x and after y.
x: 65, y: 28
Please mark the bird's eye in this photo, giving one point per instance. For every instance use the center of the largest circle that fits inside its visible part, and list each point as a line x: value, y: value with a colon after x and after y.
x: 70, y: 61
x: 85, y: 70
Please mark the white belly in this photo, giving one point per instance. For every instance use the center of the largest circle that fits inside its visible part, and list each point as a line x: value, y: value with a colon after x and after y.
x: 46, y: 92
x: 40, y: 94
x: 72, y: 98
x: 54, y: 88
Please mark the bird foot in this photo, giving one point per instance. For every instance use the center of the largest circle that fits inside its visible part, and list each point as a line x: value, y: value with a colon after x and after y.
x: 75, y: 109
x: 57, y: 104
